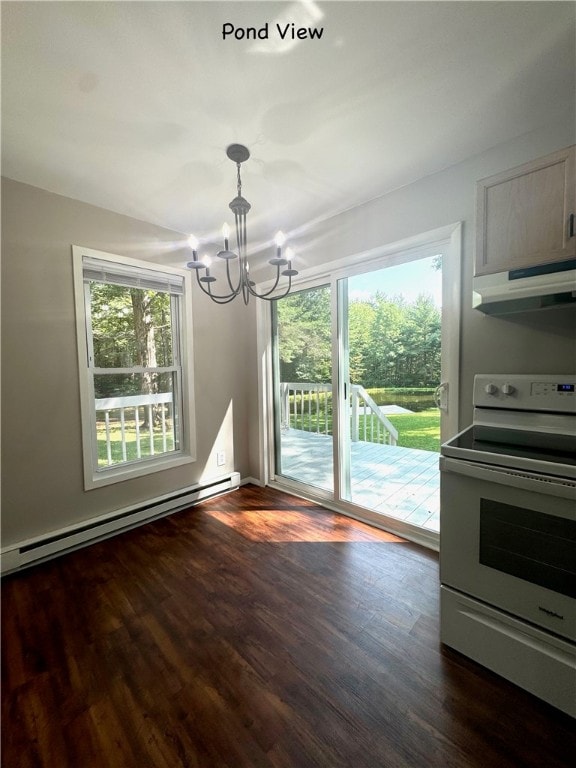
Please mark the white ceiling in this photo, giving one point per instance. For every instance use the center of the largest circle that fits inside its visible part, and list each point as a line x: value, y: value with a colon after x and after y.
x: 131, y: 105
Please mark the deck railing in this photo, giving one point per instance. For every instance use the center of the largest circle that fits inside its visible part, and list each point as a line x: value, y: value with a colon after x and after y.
x: 121, y: 410
x: 308, y: 406
x: 374, y: 426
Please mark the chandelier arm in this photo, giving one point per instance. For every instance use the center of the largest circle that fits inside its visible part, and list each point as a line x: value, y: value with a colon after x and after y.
x: 221, y: 299
x: 267, y: 296
x: 246, y: 290
x: 235, y: 290
x: 217, y: 300
x: 275, y: 298
x: 238, y: 239
x: 282, y: 295
x: 287, y: 290
x: 266, y: 293
x: 224, y: 299
x: 241, y: 233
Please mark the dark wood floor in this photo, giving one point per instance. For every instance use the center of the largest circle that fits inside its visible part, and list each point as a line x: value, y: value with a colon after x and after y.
x: 253, y: 630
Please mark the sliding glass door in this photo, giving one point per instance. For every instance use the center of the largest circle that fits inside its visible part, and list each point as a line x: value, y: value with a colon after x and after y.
x: 303, y: 365
x: 362, y: 400
x: 391, y: 364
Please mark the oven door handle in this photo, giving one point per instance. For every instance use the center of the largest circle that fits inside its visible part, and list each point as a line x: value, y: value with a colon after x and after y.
x: 515, y: 478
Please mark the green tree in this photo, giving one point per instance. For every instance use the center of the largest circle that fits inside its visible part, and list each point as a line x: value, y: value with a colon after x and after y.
x: 304, y: 332
x: 361, y: 318
x: 130, y: 327
x: 392, y: 342
x: 422, y: 337
x: 386, y: 348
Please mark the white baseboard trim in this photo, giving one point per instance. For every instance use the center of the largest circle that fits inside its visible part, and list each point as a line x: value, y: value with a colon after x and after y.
x: 50, y: 545
x: 252, y: 481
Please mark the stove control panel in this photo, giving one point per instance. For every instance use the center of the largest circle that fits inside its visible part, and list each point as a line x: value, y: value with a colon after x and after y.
x: 545, y: 389
x: 526, y: 392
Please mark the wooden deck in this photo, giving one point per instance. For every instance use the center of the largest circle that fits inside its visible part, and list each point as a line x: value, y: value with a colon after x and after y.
x: 400, y: 482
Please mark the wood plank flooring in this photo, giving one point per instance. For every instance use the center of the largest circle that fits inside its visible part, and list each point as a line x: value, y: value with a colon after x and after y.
x: 255, y: 630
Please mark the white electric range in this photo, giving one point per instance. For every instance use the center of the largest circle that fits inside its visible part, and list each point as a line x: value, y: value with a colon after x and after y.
x: 508, y: 534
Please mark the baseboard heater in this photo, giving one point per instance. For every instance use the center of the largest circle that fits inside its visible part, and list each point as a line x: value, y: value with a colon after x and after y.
x: 34, y: 551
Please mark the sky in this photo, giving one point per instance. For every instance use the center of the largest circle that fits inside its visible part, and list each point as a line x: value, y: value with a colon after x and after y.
x: 410, y: 280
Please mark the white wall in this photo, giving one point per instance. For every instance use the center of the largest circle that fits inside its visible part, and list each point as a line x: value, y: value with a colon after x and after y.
x: 543, y: 342
x: 42, y: 488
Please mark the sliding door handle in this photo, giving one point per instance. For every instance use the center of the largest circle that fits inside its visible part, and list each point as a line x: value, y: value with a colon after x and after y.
x: 441, y: 396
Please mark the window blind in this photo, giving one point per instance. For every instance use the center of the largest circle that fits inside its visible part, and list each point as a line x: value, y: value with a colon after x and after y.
x: 102, y: 271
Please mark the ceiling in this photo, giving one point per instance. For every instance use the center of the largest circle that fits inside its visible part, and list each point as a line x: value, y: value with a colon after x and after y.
x: 131, y: 105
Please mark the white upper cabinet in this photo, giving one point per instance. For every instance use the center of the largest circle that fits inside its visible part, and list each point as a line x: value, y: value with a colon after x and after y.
x: 525, y: 216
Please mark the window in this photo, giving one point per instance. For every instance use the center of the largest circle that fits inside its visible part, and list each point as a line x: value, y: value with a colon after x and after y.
x: 134, y: 350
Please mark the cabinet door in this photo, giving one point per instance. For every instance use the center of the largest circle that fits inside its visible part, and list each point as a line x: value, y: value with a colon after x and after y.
x: 525, y: 216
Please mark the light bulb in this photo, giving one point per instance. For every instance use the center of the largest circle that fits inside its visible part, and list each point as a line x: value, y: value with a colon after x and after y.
x: 206, y: 260
x: 193, y: 242
x: 289, y: 254
x: 280, y: 239
x: 225, y: 231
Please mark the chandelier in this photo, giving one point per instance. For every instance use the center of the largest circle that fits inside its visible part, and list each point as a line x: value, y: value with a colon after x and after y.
x: 240, y: 284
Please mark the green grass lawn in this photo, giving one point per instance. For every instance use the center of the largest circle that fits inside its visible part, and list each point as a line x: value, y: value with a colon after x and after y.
x: 131, y: 447
x: 415, y: 430
x: 418, y: 430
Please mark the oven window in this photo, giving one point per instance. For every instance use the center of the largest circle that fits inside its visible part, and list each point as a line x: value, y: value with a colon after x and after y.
x: 531, y: 545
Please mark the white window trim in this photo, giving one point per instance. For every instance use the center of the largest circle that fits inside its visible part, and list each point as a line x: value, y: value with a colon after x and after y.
x: 94, y: 478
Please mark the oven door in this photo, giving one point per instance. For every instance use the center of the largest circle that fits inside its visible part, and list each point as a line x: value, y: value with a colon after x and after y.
x: 508, y: 538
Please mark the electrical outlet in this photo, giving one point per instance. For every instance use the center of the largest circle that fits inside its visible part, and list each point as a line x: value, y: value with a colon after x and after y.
x: 221, y: 458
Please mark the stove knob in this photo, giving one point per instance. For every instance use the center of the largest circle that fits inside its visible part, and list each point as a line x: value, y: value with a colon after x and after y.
x: 490, y: 389
x: 508, y: 389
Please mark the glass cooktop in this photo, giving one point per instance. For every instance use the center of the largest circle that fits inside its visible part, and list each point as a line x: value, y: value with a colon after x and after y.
x: 512, y: 444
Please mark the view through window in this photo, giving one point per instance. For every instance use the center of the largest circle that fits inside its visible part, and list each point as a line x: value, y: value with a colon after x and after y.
x: 134, y: 382
x: 135, y: 377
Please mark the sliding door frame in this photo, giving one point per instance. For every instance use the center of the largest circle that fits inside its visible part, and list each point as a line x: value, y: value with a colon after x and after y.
x: 448, y: 240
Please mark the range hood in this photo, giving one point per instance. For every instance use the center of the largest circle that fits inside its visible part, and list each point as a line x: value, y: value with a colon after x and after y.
x: 522, y: 290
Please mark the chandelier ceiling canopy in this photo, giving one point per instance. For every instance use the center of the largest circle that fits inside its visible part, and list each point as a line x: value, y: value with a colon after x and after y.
x: 240, y: 284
